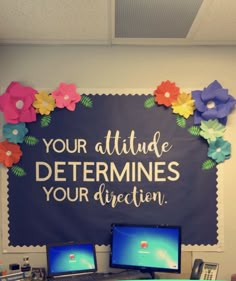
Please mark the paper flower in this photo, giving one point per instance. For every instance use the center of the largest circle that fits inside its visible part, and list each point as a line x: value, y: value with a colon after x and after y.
x: 10, y: 153
x: 219, y: 150
x: 66, y: 96
x: 211, y: 130
x: 166, y: 93
x: 16, y: 103
x: 44, y: 103
x: 184, y: 105
x: 15, y: 132
x: 213, y: 102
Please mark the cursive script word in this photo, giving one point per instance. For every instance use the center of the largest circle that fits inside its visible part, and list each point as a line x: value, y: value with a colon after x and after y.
x: 136, y: 197
x: 114, y: 144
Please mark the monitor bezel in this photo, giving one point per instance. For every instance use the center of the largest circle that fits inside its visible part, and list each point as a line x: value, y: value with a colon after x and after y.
x: 70, y: 273
x: 147, y: 268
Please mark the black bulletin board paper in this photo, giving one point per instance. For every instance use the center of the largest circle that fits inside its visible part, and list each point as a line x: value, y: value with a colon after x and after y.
x: 116, y: 162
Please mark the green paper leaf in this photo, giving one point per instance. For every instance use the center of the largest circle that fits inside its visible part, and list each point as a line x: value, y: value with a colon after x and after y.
x: 86, y: 101
x: 30, y: 140
x: 194, y: 130
x: 45, y: 121
x: 18, y: 171
x: 150, y: 102
x: 181, y: 121
x: 208, y: 164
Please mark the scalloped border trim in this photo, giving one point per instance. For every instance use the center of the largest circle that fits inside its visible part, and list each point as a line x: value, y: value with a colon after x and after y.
x: 219, y: 247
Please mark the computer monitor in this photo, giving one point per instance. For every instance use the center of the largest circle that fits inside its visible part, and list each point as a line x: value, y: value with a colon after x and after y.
x: 148, y: 248
x: 68, y: 259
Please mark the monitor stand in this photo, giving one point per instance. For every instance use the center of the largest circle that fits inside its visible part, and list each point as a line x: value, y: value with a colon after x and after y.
x: 152, y: 274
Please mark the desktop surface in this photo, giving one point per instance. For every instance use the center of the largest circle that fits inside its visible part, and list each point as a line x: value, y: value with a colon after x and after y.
x: 122, y: 275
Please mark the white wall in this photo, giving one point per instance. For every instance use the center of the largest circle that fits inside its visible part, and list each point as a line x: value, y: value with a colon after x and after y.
x: 133, y: 67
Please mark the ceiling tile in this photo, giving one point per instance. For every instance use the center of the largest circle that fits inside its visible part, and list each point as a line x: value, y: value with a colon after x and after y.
x: 75, y: 20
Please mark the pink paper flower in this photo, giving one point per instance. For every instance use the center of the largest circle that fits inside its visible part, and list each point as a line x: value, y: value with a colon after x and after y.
x: 66, y: 96
x: 16, y: 103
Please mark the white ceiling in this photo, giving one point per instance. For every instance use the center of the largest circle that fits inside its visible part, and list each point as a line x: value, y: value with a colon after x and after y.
x: 93, y: 22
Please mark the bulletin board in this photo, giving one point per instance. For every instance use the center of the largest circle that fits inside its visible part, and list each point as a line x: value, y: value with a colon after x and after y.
x: 115, y: 156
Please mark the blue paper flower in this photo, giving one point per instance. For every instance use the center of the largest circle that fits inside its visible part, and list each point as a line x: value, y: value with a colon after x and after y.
x: 213, y: 102
x: 219, y: 150
x: 15, y: 132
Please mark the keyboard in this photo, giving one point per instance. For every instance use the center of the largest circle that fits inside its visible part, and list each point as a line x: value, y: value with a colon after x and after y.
x: 123, y: 275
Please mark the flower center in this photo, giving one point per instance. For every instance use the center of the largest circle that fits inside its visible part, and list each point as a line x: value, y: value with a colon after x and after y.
x: 19, y: 104
x: 211, y: 104
x: 218, y: 149
x: 45, y: 103
x: 210, y: 131
x: 167, y: 94
x: 15, y: 132
x: 66, y: 97
x: 8, y: 153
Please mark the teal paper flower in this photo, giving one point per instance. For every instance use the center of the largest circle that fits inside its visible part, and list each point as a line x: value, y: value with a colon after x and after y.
x: 211, y: 130
x: 219, y: 150
x: 15, y: 132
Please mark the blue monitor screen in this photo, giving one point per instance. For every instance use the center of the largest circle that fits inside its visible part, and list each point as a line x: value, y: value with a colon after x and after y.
x: 147, y: 248
x: 70, y: 259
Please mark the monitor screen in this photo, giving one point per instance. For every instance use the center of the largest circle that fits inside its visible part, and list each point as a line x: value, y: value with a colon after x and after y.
x: 146, y: 247
x: 70, y: 259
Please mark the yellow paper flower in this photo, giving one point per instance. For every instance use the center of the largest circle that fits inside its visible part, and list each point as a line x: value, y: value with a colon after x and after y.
x: 44, y: 103
x: 184, y: 105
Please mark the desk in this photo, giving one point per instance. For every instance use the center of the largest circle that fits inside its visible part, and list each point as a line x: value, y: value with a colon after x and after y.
x: 13, y: 277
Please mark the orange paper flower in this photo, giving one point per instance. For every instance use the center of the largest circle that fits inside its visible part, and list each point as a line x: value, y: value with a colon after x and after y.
x: 10, y: 153
x: 166, y: 93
